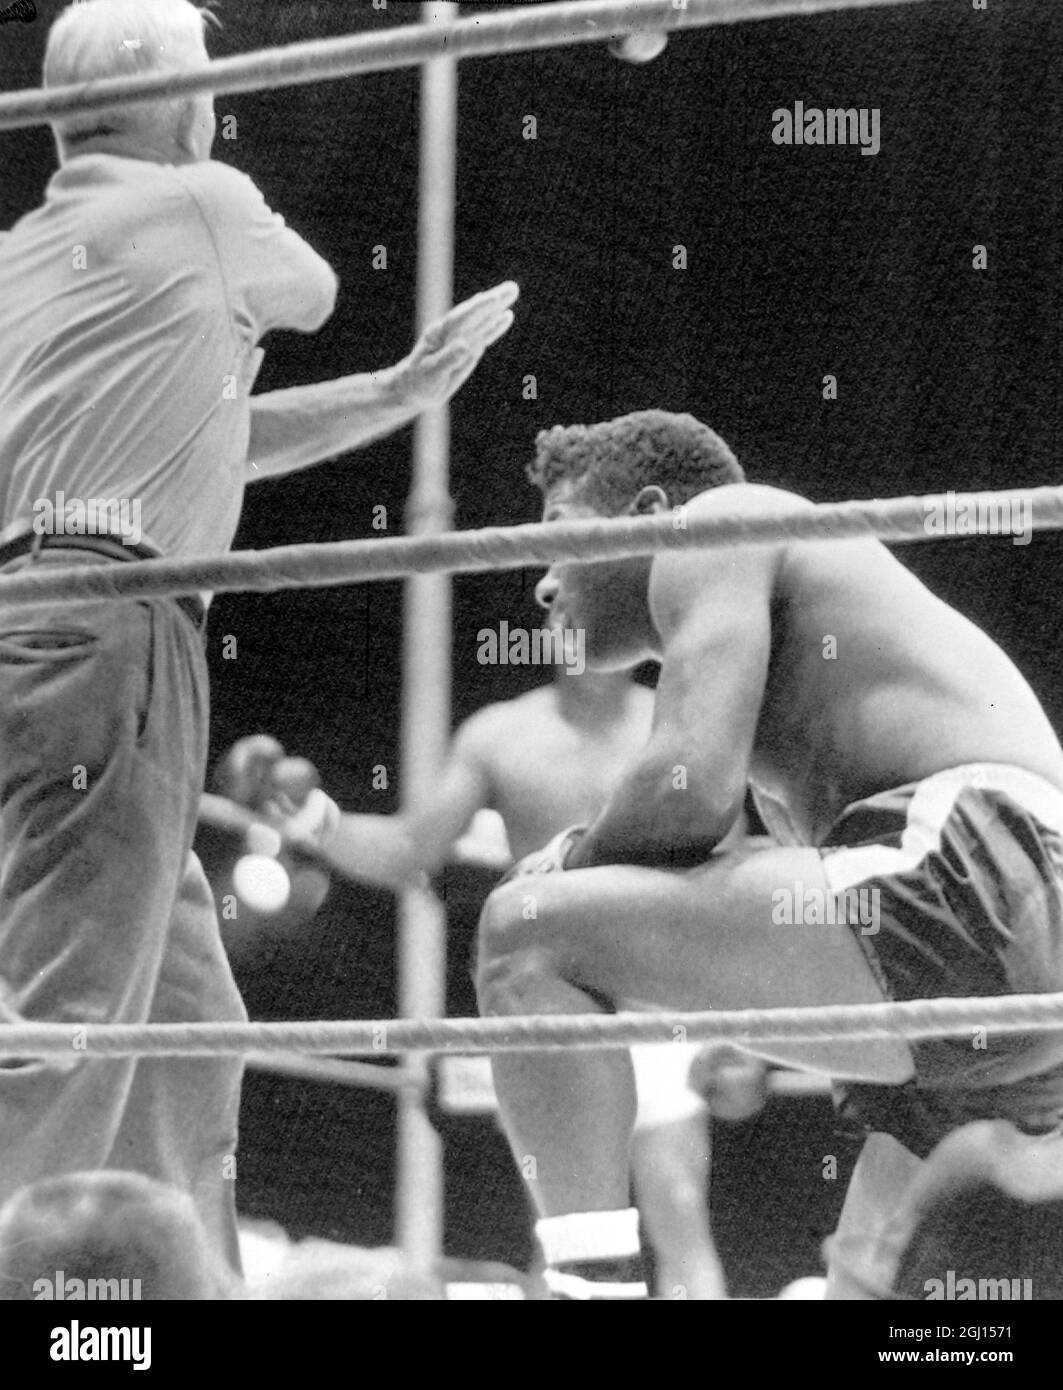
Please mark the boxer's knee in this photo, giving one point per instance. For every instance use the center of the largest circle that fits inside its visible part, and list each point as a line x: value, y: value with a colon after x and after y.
x: 512, y: 957
x: 514, y: 983
x: 509, y: 920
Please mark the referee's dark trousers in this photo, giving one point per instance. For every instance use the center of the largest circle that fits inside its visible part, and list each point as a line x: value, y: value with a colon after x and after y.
x: 105, y: 913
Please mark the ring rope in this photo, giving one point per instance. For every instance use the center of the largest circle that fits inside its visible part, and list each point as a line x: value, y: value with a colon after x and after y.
x: 402, y: 46
x: 894, y: 520
x: 912, y: 1019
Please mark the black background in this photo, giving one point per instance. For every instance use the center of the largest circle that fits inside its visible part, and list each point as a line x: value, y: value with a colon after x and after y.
x: 801, y: 262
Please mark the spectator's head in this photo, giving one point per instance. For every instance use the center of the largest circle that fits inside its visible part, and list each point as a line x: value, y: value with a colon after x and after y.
x: 125, y: 38
x: 982, y: 1219
x: 102, y: 1228
x: 988, y: 1209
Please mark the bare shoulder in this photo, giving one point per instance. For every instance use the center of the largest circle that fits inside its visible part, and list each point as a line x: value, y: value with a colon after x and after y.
x: 745, y: 499
x: 492, y: 730
x: 691, y: 577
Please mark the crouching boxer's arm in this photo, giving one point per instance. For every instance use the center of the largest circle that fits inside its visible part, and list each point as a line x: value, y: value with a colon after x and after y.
x: 683, y: 794
x: 304, y: 425
x: 377, y: 850
x: 396, y: 851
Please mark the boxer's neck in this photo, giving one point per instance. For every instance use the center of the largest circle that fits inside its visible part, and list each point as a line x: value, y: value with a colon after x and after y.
x: 598, y: 696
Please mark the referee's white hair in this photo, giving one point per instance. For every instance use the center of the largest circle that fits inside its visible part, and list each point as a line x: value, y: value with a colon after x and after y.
x: 93, y: 39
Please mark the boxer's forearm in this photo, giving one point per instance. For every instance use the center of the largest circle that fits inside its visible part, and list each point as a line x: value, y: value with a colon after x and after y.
x: 304, y: 425
x: 377, y: 850
x: 653, y: 820
x: 617, y: 844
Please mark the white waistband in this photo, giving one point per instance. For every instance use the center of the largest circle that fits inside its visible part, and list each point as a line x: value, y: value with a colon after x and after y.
x: 1030, y: 790
x: 929, y: 809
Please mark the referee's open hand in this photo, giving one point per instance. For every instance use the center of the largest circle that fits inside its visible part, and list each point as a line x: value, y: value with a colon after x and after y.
x: 449, y: 349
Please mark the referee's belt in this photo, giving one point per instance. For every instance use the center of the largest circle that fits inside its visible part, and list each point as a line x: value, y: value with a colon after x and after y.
x: 111, y: 547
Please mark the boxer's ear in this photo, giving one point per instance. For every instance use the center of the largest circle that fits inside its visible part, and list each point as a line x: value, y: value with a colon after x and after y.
x: 195, y: 128
x: 650, y: 499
